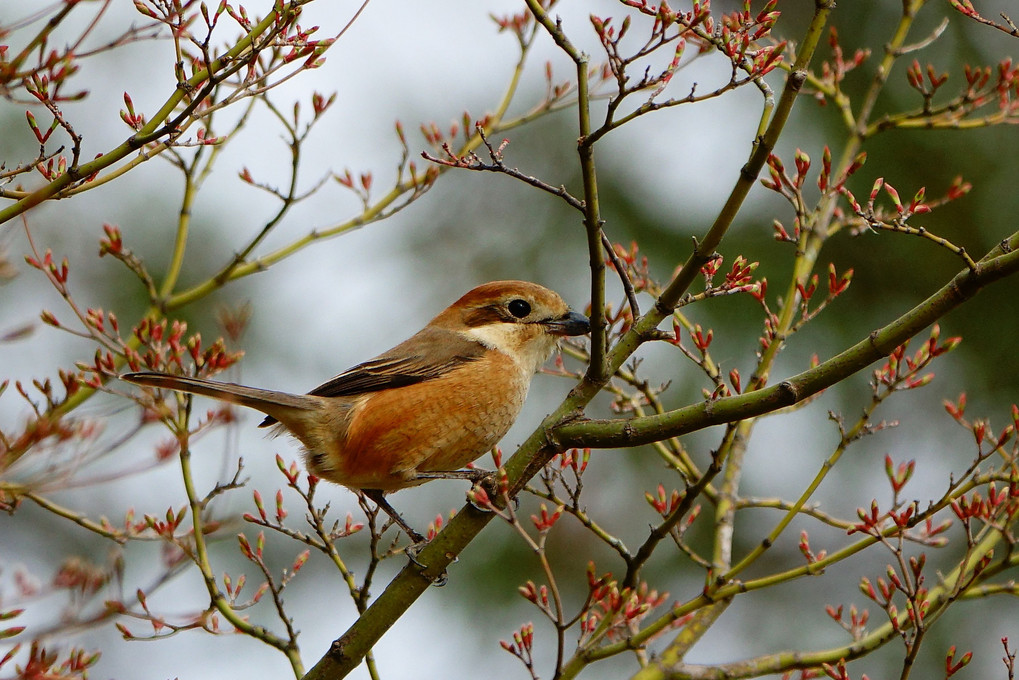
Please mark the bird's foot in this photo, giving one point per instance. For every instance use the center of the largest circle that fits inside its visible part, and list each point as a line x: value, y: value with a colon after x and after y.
x: 412, y: 551
x: 473, y: 475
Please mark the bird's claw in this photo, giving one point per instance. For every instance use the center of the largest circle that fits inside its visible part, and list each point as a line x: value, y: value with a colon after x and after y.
x: 412, y: 551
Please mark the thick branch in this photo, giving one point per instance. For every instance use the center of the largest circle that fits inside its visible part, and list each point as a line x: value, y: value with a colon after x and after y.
x: 1001, y: 262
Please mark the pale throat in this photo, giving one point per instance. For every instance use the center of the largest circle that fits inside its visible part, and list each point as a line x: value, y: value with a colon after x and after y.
x: 527, y: 344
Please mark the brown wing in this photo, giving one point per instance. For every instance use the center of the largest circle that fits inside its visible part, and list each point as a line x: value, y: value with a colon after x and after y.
x: 429, y: 354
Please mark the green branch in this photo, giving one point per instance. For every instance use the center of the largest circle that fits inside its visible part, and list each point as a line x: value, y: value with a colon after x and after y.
x: 999, y: 263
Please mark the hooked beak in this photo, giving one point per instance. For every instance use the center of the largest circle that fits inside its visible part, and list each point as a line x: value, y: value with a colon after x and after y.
x: 571, y: 323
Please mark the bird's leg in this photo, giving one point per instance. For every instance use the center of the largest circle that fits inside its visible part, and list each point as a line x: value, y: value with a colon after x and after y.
x: 379, y: 498
x: 473, y: 475
x: 486, y: 479
x: 417, y: 540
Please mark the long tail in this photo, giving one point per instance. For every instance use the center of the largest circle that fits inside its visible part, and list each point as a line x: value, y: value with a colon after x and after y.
x: 269, y: 402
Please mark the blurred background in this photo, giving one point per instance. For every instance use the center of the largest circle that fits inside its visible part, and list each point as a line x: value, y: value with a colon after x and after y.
x: 341, y: 301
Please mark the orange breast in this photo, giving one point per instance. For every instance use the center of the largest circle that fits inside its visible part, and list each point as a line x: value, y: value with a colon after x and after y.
x: 437, y: 425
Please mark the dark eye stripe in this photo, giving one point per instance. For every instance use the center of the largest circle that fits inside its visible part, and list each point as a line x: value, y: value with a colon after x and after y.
x: 482, y: 316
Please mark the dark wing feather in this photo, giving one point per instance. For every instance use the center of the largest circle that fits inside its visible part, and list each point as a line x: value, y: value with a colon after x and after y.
x: 378, y: 374
x: 429, y: 354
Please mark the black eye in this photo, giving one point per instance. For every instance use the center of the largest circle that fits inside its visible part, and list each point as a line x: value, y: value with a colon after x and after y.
x: 519, y: 308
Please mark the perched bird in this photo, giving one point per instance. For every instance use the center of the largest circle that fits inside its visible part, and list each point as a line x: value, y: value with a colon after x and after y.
x: 425, y: 408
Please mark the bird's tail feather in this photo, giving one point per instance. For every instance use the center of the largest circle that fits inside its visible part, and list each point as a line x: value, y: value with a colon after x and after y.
x: 270, y: 402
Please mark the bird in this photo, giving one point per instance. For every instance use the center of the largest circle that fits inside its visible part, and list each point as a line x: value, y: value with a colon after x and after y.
x: 422, y: 410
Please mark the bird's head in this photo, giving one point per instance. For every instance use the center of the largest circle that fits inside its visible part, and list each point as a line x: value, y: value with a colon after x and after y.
x: 521, y: 319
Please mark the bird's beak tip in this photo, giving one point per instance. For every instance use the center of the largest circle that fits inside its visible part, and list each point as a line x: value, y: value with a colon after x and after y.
x: 571, y: 323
